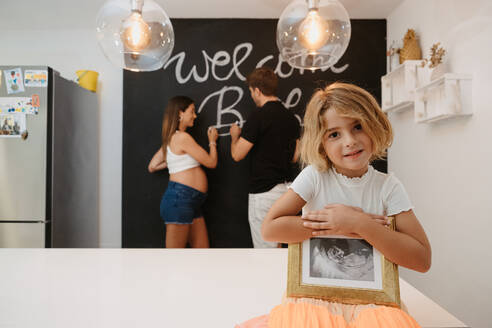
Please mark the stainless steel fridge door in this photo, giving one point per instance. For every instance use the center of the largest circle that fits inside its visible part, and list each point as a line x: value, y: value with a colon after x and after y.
x: 75, y: 209
x: 23, y: 163
x: 22, y: 235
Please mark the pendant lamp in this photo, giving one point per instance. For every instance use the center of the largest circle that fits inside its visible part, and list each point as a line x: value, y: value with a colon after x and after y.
x: 136, y: 35
x: 313, y: 34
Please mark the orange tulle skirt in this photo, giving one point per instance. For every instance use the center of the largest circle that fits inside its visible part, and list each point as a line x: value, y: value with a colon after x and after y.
x: 308, y: 313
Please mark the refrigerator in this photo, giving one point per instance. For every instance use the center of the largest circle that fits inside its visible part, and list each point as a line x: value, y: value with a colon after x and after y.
x: 49, y: 160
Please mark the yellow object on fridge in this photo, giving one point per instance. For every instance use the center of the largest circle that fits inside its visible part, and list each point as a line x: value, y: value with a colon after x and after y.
x: 87, y: 79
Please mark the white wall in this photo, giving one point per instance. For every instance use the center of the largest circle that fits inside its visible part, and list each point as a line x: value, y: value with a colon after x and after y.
x: 446, y: 166
x: 67, y: 51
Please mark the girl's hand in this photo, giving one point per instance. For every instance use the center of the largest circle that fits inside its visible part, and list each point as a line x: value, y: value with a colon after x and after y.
x: 212, y: 134
x: 381, y: 219
x: 338, y: 219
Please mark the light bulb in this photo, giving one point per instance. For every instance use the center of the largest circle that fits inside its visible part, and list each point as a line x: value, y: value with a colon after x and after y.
x: 313, y: 31
x: 134, y: 35
x: 313, y: 34
x: 135, y: 32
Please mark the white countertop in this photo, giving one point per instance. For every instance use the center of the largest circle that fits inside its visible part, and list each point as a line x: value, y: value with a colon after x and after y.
x: 155, y: 288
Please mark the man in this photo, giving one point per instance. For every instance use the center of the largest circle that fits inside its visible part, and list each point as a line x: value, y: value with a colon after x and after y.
x: 271, y: 133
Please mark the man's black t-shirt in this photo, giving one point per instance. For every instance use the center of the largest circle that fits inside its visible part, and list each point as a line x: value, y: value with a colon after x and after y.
x: 273, y: 130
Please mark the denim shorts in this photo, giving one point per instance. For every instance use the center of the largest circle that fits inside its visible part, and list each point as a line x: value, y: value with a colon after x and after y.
x: 181, y: 204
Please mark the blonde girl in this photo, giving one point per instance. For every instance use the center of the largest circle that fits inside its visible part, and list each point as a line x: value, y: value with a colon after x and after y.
x: 340, y: 193
x: 186, y: 191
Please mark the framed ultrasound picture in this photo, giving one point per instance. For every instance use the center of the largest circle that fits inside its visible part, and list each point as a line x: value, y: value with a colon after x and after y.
x: 342, y: 269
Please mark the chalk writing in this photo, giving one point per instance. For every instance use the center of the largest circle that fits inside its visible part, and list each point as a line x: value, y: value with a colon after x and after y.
x: 222, y: 59
x: 221, y: 111
x: 290, y: 103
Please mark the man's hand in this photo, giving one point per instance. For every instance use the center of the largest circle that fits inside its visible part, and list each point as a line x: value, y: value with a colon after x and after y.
x: 235, y: 131
x: 239, y: 146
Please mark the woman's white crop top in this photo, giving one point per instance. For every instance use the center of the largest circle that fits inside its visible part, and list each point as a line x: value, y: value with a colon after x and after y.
x: 178, y: 163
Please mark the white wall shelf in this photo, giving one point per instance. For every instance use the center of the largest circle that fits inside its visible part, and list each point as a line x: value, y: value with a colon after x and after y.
x: 445, y: 97
x: 398, y: 86
x: 399, y: 107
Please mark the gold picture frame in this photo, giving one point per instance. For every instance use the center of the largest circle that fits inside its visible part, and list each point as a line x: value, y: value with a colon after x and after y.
x: 360, y: 283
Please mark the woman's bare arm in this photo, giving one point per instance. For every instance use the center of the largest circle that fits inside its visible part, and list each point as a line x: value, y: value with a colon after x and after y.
x: 158, y: 161
x: 192, y: 148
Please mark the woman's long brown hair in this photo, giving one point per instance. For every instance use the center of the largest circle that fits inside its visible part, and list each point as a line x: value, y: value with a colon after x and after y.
x: 170, y: 121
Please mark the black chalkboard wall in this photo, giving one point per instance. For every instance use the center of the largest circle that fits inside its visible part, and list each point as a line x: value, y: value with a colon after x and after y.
x: 210, y: 61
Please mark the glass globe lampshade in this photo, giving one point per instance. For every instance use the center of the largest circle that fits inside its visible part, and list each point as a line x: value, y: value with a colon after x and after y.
x: 136, y: 35
x: 313, y: 34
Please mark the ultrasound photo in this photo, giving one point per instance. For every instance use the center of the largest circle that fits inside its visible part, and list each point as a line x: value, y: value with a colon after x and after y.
x: 340, y: 258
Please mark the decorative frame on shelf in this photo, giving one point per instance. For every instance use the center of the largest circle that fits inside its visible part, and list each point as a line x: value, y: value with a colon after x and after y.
x: 398, y: 86
x: 342, y: 269
x: 445, y: 97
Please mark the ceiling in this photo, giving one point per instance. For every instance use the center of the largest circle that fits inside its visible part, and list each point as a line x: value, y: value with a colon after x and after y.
x: 70, y: 14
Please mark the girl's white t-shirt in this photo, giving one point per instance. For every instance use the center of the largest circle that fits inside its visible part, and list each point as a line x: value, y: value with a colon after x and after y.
x: 375, y: 192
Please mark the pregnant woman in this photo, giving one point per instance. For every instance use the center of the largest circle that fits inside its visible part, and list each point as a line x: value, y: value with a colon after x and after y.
x: 187, y: 188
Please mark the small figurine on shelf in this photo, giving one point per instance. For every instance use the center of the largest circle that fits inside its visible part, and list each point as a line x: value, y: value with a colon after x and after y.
x: 393, y: 55
x: 436, y: 55
x: 411, y: 48
x: 436, y: 67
